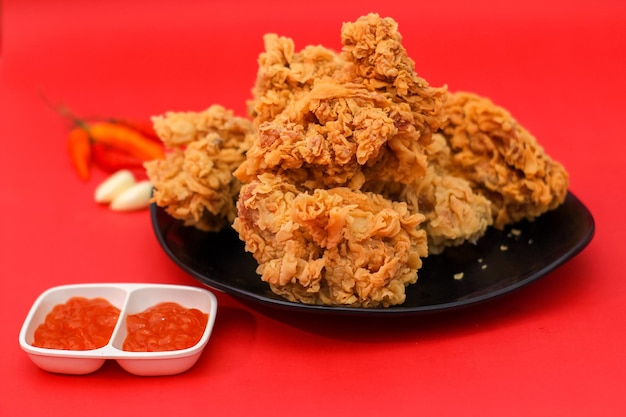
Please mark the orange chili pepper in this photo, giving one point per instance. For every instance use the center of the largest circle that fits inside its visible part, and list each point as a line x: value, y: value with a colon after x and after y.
x: 127, y: 139
x: 145, y: 128
x: 79, y: 149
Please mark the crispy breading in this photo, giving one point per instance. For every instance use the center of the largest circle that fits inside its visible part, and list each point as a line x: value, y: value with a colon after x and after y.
x: 454, y: 213
x: 283, y: 74
x: 365, y: 114
x: 501, y: 160
x: 336, y: 135
x: 332, y: 246
x: 194, y: 182
x: 376, y: 58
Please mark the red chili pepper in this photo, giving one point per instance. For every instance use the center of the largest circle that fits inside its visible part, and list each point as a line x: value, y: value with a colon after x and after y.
x: 111, y: 159
x: 79, y: 150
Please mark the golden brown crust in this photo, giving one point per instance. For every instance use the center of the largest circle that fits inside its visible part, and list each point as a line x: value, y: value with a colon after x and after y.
x: 336, y: 135
x: 454, y: 213
x: 283, y: 74
x: 327, y: 120
x: 194, y: 182
x: 501, y: 159
x: 333, y: 246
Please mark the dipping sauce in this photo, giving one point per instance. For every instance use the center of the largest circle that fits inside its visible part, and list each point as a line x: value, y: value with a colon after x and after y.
x: 164, y: 327
x: 79, y: 324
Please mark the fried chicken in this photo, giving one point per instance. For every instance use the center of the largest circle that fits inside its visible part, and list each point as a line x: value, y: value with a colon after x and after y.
x: 333, y: 246
x: 366, y: 115
x: 351, y: 169
x: 454, y: 213
x: 501, y: 160
x: 372, y: 47
x: 284, y: 74
x: 194, y: 182
x: 336, y: 135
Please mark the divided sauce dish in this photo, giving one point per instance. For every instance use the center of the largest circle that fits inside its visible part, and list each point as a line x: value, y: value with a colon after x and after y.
x: 130, y: 299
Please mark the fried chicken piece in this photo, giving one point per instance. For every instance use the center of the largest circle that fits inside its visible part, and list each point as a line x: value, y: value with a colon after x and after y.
x: 283, y: 74
x: 501, y: 160
x: 368, y: 116
x: 194, y: 182
x: 331, y: 246
x: 337, y: 135
x: 454, y: 213
x: 376, y: 58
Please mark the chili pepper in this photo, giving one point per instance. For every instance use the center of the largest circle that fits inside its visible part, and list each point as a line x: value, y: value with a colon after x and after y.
x: 79, y: 149
x: 125, y: 138
x: 145, y: 128
x: 112, y: 159
x: 126, y: 145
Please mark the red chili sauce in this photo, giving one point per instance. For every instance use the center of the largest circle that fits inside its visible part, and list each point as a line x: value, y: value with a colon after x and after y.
x: 164, y: 327
x: 79, y: 324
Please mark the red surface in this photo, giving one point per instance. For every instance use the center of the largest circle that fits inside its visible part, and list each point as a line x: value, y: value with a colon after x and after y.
x: 554, y: 348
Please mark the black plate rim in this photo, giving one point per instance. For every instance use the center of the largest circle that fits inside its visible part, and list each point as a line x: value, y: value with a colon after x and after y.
x: 260, y: 299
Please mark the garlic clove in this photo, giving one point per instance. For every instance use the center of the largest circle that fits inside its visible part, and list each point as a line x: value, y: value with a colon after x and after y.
x: 135, y: 198
x: 113, y: 186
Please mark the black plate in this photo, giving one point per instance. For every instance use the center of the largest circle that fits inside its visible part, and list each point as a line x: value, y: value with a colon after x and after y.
x: 499, y: 263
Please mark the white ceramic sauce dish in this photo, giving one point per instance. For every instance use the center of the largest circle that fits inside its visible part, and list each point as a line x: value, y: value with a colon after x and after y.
x: 130, y: 298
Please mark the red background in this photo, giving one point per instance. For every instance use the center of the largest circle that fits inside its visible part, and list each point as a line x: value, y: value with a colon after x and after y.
x: 553, y: 348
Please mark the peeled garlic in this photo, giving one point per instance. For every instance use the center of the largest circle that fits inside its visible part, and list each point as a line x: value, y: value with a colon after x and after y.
x: 134, y: 198
x: 113, y: 186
